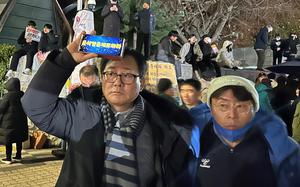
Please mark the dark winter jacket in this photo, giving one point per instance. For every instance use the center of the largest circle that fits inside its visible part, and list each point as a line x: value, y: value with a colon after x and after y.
x: 48, y: 42
x: 275, y: 44
x: 292, y: 45
x: 13, y: 120
x: 80, y: 123
x: 261, y: 39
x: 146, y: 21
x: 207, y: 51
x: 112, y: 20
x: 164, y: 50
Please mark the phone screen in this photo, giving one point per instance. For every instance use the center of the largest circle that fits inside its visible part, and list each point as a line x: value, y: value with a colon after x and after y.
x: 102, y: 45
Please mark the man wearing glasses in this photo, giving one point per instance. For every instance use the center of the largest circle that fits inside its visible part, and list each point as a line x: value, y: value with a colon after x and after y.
x: 241, y: 146
x: 125, y: 139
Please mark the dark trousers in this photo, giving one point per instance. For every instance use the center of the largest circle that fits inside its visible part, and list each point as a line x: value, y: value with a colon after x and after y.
x: 208, y: 65
x: 260, y: 58
x: 26, y: 50
x: 277, y: 56
x: 146, y: 40
x: 9, y: 150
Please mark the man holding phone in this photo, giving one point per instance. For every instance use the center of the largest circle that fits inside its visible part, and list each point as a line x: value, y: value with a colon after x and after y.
x: 130, y: 138
x: 113, y: 15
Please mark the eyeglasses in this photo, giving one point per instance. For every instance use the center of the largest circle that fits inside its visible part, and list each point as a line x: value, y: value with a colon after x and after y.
x: 241, y: 108
x: 126, y: 78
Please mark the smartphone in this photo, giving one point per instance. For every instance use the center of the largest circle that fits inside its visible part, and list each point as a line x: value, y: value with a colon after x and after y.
x: 109, y: 47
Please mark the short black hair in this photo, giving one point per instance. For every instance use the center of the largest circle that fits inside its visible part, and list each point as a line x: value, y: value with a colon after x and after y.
x: 163, y: 85
x: 138, y: 57
x: 239, y: 92
x: 89, y: 70
x: 31, y: 23
x: 49, y: 26
x: 173, y: 33
x: 192, y: 82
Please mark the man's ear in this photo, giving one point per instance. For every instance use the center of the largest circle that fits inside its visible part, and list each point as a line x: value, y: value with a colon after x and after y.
x: 143, y: 84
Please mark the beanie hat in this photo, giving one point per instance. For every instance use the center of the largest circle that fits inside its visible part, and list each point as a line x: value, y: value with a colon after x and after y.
x: 231, y: 80
x: 163, y: 85
x: 148, y: 2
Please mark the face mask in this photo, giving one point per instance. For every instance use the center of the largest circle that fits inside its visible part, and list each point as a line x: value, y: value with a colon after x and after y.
x: 208, y: 40
x: 231, y: 135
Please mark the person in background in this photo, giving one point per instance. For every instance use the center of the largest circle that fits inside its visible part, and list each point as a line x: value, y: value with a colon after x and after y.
x: 191, y: 52
x: 130, y: 138
x: 265, y: 93
x: 277, y: 47
x: 13, y: 125
x: 165, y: 89
x: 164, y: 49
x: 28, y: 48
x: 48, y: 42
x: 225, y: 56
x: 113, y: 15
x: 145, y: 27
x: 238, y: 129
x: 208, y: 61
x: 89, y: 89
x: 190, y: 92
x: 261, y: 44
x: 282, y: 102
x: 291, y: 47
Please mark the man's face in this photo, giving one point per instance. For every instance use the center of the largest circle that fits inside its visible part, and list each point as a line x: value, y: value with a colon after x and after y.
x: 230, y: 113
x: 46, y: 30
x: 173, y: 38
x: 119, y: 95
x: 207, y: 40
x: 193, y: 40
x: 189, y: 95
x: 146, y: 6
x: 88, y: 81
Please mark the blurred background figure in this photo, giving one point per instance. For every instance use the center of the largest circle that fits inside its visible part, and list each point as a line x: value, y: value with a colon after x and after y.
x: 225, y: 56
x: 13, y: 121
x: 113, y: 14
x: 261, y: 44
x: 291, y: 47
x: 145, y: 27
x: 190, y: 92
x: 165, y: 89
x: 277, y: 48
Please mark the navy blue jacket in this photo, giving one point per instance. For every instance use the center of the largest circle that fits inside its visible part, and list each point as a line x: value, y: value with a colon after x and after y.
x: 261, y: 39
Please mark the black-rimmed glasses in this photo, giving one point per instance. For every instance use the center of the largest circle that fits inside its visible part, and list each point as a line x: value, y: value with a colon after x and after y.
x: 126, y: 78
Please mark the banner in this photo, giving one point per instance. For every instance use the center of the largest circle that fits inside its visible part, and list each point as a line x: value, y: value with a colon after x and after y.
x: 84, y: 21
x: 33, y: 34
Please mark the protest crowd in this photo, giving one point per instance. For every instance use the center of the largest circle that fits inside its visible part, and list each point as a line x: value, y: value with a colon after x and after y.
x: 163, y: 118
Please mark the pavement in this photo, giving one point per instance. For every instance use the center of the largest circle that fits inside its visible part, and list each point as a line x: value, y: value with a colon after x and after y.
x: 39, y: 168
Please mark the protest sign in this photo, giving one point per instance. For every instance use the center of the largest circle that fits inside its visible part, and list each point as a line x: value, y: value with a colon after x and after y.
x: 33, y: 34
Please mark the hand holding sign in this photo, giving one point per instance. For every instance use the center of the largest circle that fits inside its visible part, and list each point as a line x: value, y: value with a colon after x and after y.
x: 79, y: 56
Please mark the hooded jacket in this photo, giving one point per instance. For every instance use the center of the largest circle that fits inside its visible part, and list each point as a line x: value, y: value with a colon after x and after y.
x: 13, y: 120
x: 225, y: 57
x: 283, y: 151
x: 80, y: 123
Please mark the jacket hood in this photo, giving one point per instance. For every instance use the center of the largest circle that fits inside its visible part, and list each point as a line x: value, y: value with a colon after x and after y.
x: 13, y: 84
x: 226, y: 44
